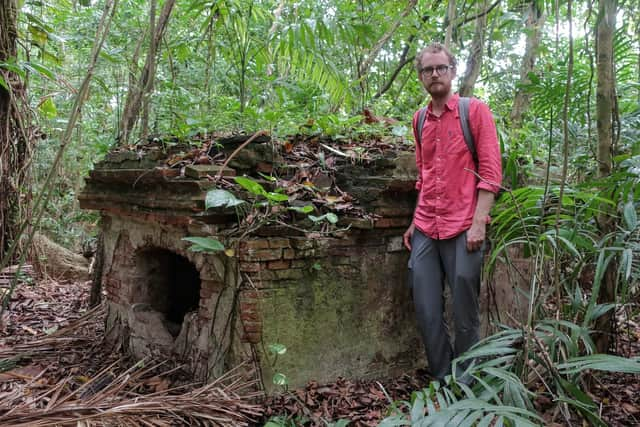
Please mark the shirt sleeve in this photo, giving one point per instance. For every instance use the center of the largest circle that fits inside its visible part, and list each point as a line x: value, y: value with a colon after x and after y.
x: 485, y: 137
x: 418, y: 151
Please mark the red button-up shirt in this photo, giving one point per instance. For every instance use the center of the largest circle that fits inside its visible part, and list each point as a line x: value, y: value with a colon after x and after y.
x: 449, y: 193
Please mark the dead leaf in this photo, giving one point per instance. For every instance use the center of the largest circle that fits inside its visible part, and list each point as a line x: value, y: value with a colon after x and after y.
x: 630, y: 409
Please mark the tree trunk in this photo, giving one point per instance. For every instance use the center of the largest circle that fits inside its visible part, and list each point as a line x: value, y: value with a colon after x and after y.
x: 143, y: 86
x: 535, y: 21
x: 95, y: 297
x: 474, y: 63
x: 449, y: 22
x: 146, y: 91
x: 15, y: 149
x: 604, y: 111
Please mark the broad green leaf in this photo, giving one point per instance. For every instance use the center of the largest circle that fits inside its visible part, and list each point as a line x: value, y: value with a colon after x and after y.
x: 626, y: 263
x: 280, y: 379
x: 630, y: 216
x: 51, y: 58
x: 278, y: 349
x: 584, y: 403
x: 13, y: 68
x: 109, y: 57
x: 221, y: 198
x: 39, y: 36
x: 600, y: 362
x: 48, y: 108
x: 599, y: 310
x: 302, y: 209
x: 204, y: 244
x: 250, y: 185
x: 418, y: 407
x: 3, y: 83
x: 276, y: 197
x: 39, y: 69
x: 332, y: 218
x: 533, y: 77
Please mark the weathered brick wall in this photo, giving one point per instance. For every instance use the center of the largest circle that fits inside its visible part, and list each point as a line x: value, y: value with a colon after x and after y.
x: 202, y: 342
x: 341, y: 306
x: 271, y: 289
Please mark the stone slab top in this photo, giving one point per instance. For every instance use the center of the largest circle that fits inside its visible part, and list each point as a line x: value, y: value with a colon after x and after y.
x: 367, y: 183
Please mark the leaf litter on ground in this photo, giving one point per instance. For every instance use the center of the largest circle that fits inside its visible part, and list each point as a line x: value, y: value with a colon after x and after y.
x: 55, y: 369
x: 72, y: 377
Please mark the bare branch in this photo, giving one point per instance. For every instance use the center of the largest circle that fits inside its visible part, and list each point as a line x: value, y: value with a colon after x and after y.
x: 478, y: 15
x: 373, y: 53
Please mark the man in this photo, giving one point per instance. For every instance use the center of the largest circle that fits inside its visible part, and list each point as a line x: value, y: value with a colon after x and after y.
x: 447, y: 234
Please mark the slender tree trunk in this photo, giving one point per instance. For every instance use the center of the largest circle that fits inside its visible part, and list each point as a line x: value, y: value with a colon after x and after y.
x: 95, y: 296
x: 474, y: 63
x: 15, y: 142
x: 535, y: 21
x: 604, y: 112
x: 449, y: 22
x: 143, y: 86
x: 82, y: 95
x: 146, y: 92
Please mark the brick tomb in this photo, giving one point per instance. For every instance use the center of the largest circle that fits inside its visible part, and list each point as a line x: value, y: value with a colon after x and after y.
x: 335, y: 296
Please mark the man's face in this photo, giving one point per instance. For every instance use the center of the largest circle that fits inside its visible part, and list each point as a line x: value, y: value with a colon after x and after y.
x: 433, y: 76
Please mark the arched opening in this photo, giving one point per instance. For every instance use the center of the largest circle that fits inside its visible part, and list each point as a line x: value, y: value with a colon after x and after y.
x: 169, y: 283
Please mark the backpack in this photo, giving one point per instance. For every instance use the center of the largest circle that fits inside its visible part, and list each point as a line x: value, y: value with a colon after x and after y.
x: 463, y: 112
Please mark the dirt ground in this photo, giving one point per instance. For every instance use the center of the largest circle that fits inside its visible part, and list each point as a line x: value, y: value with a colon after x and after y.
x: 52, y: 354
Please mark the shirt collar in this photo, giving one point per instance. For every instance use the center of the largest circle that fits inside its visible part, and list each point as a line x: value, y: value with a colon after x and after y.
x: 451, y: 105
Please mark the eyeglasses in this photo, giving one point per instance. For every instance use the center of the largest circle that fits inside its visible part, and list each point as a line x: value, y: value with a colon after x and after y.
x: 441, y: 69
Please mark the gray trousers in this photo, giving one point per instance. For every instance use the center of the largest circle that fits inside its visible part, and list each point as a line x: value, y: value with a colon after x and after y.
x: 430, y: 263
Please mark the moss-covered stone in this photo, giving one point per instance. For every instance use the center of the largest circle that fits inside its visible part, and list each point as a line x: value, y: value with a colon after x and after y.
x: 333, y: 325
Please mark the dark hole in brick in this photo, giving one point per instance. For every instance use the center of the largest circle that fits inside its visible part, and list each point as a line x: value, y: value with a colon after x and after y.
x: 169, y: 283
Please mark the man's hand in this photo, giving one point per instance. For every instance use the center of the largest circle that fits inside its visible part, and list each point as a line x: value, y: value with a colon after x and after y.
x: 476, y: 235
x: 407, y: 236
x: 478, y: 231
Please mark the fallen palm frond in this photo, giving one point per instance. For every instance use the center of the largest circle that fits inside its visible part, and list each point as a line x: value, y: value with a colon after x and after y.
x: 72, y: 337
x: 140, y: 395
x: 108, y: 399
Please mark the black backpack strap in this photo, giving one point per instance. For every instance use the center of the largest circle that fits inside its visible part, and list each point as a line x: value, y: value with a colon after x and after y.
x: 463, y: 112
x: 422, y: 114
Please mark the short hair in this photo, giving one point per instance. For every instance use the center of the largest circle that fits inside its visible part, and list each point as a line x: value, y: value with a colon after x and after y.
x: 435, y: 47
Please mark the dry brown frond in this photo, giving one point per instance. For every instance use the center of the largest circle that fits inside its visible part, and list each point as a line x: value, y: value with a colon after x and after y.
x: 108, y: 399
x: 140, y: 395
